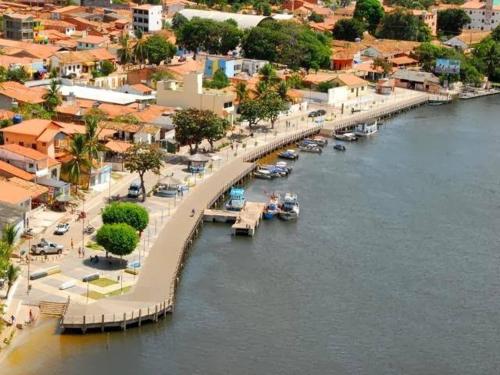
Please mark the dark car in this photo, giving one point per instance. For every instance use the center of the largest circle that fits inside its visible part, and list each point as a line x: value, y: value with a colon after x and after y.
x: 313, y: 114
x: 320, y: 112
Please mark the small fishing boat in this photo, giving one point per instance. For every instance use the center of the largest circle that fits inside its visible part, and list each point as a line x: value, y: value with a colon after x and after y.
x: 366, y: 129
x: 272, y: 208
x: 289, y: 154
x: 276, y: 171
x: 307, y: 142
x: 236, y: 199
x: 320, y: 141
x: 263, y: 174
x: 313, y: 148
x: 349, y: 137
x: 290, y: 207
x: 339, y: 147
x: 284, y: 165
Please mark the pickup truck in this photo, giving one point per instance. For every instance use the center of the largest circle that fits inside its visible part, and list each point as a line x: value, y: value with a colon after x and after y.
x: 46, y: 247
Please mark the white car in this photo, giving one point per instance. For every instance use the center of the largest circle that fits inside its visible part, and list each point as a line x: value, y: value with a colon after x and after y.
x: 61, y: 228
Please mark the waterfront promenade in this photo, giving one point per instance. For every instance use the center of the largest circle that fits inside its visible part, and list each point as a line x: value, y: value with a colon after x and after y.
x: 154, y: 292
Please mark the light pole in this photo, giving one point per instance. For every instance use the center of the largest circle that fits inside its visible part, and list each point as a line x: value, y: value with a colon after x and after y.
x: 87, y: 291
x: 83, y: 224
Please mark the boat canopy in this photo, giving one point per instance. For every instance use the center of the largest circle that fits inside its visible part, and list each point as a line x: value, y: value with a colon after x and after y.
x: 237, y: 193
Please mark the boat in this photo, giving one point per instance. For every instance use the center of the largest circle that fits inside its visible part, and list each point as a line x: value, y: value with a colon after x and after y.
x: 263, y: 174
x: 290, y: 207
x: 236, y: 199
x: 311, y: 148
x: 272, y: 208
x: 349, y: 137
x: 339, y: 147
x: 366, y: 129
x: 307, y: 142
x: 284, y: 165
x: 289, y: 154
x: 320, y: 141
x: 275, y: 171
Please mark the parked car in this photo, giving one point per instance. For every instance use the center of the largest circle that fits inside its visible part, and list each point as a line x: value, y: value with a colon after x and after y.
x: 313, y: 114
x: 320, y: 112
x: 134, y: 189
x: 45, y: 247
x: 61, y: 228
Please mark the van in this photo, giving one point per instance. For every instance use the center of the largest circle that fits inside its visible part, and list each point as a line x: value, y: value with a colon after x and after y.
x: 134, y: 189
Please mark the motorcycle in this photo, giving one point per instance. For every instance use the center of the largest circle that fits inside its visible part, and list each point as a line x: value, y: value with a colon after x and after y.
x: 89, y: 229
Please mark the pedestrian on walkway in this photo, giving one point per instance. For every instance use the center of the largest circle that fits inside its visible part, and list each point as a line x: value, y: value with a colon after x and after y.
x: 83, y: 252
x: 72, y: 244
x: 13, y: 319
x: 80, y: 252
x: 31, y: 316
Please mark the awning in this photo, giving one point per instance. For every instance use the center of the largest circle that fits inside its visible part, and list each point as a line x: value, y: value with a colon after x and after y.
x: 50, y: 182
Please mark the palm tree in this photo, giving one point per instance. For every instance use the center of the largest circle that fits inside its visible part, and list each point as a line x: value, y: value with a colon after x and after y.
x: 282, y: 90
x: 92, y: 137
x: 12, y: 274
x: 125, y: 52
x: 79, y: 160
x: 139, y: 48
x: 261, y: 88
x: 268, y: 75
x: 241, y: 91
x: 52, y: 98
x: 9, y: 235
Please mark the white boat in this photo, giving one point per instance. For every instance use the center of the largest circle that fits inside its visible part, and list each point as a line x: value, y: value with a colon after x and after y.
x: 263, y: 174
x: 236, y: 199
x: 349, y: 137
x: 314, y: 148
x: 290, y: 207
x: 366, y: 129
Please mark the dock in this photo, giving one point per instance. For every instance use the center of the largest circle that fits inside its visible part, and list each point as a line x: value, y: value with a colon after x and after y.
x: 245, y: 221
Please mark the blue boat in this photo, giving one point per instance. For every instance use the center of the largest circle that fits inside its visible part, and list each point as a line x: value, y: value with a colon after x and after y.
x: 272, y: 208
x: 236, y: 199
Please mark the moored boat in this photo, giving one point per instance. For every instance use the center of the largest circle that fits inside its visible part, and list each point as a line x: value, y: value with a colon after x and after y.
x: 313, y: 148
x: 272, y: 208
x: 320, y: 141
x: 284, y: 165
x: 339, y: 147
x: 237, y: 199
x: 349, y: 137
x: 366, y: 129
x: 290, y: 207
x: 289, y: 154
x: 263, y: 174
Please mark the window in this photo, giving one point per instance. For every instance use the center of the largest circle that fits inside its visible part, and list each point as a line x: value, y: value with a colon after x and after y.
x: 352, y: 90
x: 44, y: 144
x: 228, y: 104
x: 33, y: 146
x: 31, y: 165
x: 21, y: 143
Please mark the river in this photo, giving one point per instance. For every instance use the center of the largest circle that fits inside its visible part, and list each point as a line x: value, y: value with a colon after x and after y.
x: 392, y: 268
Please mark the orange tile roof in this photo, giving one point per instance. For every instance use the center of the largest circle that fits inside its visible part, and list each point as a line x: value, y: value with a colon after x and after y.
x: 186, y: 67
x: 91, y: 55
x: 15, y: 171
x: 41, y: 51
x: 5, y: 114
x: 19, y: 16
x: 315, y: 78
x: 32, y: 188
x: 142, y: 88
x: 21, y: 93
x: 474, y: 4
x: 24, y: 151
x: 13, y: 194
x: 351, y: 80
x: 119, y: 147
x: 52, y: 162
x: 92, y: 39
x: 34, y: 127
x: 403, y: 60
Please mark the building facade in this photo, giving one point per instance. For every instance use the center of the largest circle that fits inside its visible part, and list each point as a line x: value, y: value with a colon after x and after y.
x: 147, y: 18
x: 18, y: 26
x: 484, y: 15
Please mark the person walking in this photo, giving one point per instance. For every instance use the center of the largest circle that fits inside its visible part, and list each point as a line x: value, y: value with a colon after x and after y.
x: 83, y: 252
x: 80, y: 252
x: 72, y: 245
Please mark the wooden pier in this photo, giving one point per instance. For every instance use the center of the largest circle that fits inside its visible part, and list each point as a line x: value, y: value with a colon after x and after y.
x: 245, y: 221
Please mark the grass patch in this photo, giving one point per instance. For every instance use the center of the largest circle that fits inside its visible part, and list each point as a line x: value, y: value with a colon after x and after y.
x: 94, y: 246
x: 96, y: 295
x: 116, y: 176
x: 117, y: 292
x: 103, y: 282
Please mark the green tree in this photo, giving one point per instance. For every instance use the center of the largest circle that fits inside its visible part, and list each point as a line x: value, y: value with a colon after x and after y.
x: 486, y: 58
x: 282, y: 90
x: 106, y: 68
x: 158, y: 49
x: 79, y: 162
x: 29, y: 111
x: 5, y: 252
x: 268, y: 75
x: 348, y: 29
x: 139, y: 51
x: 92, y: 144
x: 370, y: 12
x: 451, y: 21
x: 9, y: 235
x: 325, y: 86
x: 18, y: 74
x: 126, y: 212
x: 125, y: 53
x: 288, y: 43
x: 118, y: 239
x: 160, y: 75
x: 214, y: 128
x: 252, y: 112
x: 52, y: 98
x: 190, y: 127
x: 403, y: 25
x: 218, y: 81
x: 178, y: 21
x: 11, y: 274
x: 495, y: 34
x: 142, y: 158
x: 241, y: 91
x: 272, y: 106
x: 382, y: 63
x: 315, y: 17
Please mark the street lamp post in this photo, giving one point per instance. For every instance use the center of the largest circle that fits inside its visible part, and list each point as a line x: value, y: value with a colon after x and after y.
x: 83, y: 224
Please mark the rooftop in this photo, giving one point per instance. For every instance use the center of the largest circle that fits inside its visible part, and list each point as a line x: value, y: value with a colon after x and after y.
x: 103, y: 95
x: 12, y: 170
x: 24, y: 151
x: 13, y: 194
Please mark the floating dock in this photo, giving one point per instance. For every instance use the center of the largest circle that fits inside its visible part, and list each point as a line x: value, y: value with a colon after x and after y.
x: 245, y: 221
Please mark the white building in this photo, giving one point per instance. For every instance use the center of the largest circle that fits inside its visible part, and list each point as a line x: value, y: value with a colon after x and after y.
x: 484, y: 15
x: 147, y: 18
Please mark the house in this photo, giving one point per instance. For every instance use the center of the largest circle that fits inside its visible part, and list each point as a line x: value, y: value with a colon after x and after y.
x: 429, y: 17
x: 59, y: 25
x: 467, y: 39
x: 79, y: 63
x: 484, y: 15
x: 31, y: 50
x: 403, y: 62
x: 231, y: 66
x: 29, y: 160
x: 13, y: 94
x: 39, y: 194
x: 91, y: 42
x: 354, y: 85
x: 147, y: 18
x: 59, y: 13
x: 18, y: 26
x: 192, y: 95
x: 416, y: 80
x: 8, y: 170
x: 14, y: 195
x: 138, y: 89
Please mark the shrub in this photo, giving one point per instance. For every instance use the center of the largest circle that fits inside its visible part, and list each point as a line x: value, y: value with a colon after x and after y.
x: 118, y: 239
x: 126, y: 212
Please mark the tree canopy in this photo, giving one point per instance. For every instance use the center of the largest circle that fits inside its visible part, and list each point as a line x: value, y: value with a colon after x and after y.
x: 219, y: 80
x: 158, y: 49
x: 288, y: 43
x: 126, y: 212
x: 119, y: 239
x: 370, y: 12
x: 451, y: 21
x: 142, y: 158
x: 403, y: 25
x: 348, y: 29
x: 207, y: 35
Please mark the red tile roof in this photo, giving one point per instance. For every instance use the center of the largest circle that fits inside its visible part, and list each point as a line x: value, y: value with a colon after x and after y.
x: 24, y: 151
x: 12, y: 170
x: 13, y: 194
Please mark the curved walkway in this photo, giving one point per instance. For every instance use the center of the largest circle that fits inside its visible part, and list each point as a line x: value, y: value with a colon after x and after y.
x: 153, y: 294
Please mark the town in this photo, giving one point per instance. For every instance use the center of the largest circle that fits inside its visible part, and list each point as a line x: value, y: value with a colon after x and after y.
x: 120, y: 123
